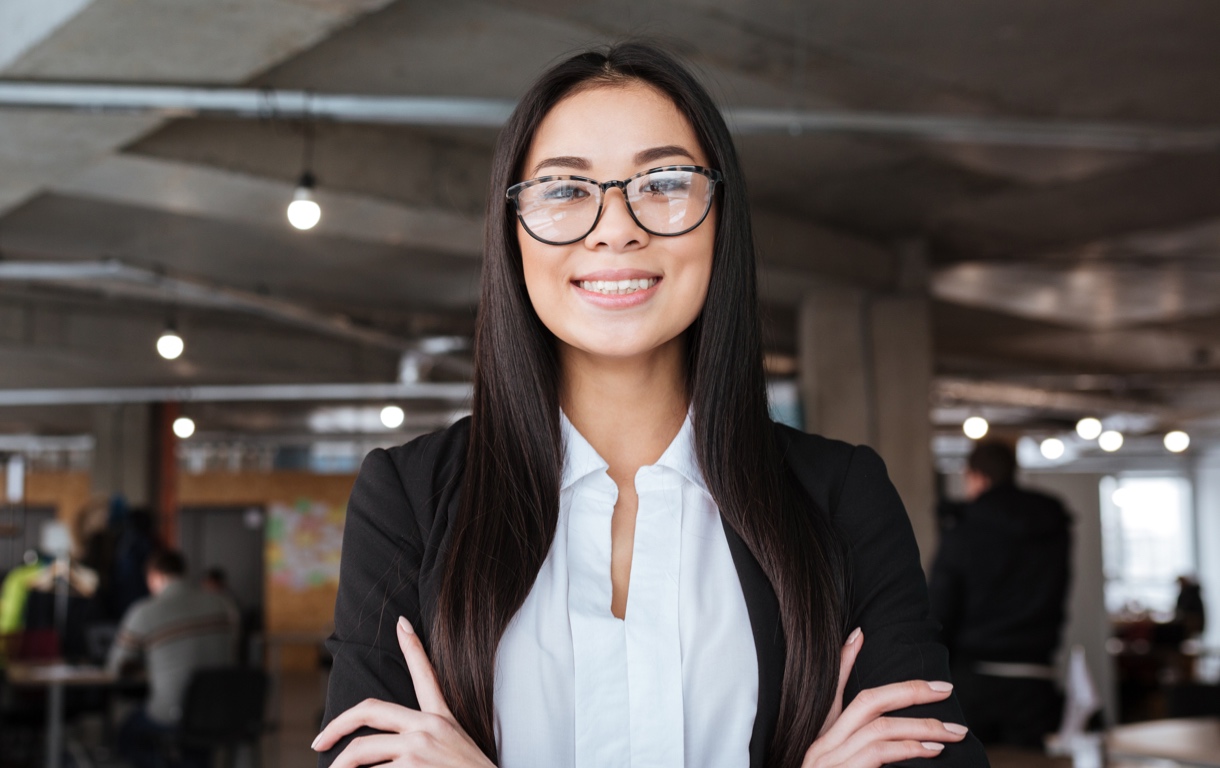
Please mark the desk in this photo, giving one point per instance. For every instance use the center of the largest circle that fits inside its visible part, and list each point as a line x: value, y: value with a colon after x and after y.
x: 55, y: 677
x: 1194, y: 742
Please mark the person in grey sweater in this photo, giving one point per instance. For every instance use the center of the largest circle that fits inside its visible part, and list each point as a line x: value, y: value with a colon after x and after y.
x: 177, y: 630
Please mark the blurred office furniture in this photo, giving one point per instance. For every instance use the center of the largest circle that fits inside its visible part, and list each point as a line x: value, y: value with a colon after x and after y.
x: 224, y: 709
x: 1149, y: 658
x: 55, y: 678
x: 1190, y: 741
x: 1193, y: 700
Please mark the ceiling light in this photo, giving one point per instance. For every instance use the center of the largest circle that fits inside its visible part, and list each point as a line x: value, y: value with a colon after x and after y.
x: 975, y: 427
x: 304, y: 212
x: 392, y: 416
x: 1088, y: 428
x: 1177, y: 441
x: 184, y: 427
x: 1110, y: 440
x: 1052, y: 448
x: 170, y: 345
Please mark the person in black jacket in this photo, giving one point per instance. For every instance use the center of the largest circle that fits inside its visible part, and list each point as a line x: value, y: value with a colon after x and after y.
x: 999, y: 588
x: 618, y: 558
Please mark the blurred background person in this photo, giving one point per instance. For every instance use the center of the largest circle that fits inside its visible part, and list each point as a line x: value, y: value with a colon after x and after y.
x: 999, y: 587
x: 175, y: 632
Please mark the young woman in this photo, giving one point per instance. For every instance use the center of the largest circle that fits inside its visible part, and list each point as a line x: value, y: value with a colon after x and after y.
x: 619, y: 559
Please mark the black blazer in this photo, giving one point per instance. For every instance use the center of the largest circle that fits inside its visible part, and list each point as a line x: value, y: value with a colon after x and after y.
x: 398, y: 521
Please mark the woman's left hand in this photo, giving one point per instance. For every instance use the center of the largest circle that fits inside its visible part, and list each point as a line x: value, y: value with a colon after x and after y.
x: 429, y: 736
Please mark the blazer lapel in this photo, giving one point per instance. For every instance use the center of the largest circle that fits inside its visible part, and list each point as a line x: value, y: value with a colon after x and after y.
x: 763, y: 607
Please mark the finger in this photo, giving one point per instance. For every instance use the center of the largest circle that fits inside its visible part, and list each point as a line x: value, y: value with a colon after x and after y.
x: 371, y: 713
x: 383, y: 748
x: 427, y: 688
x: 847, y: 659
x: 921, y: 729
x: 886, y: 752
x: 874, y: 702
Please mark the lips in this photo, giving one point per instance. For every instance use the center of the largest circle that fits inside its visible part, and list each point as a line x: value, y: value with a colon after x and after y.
x: 616, y: 288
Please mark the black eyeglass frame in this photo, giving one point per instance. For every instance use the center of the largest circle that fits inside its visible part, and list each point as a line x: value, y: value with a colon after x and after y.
x: 515, y: 190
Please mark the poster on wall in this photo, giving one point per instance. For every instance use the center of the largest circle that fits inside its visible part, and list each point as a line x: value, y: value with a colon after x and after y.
x: 304, y: 540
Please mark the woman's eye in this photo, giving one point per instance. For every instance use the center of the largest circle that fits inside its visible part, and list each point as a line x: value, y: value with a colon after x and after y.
x: 665, y: 186
x: 565, y: 193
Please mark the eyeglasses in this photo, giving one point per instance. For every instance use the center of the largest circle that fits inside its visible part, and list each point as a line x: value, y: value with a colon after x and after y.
x: 667, y: 201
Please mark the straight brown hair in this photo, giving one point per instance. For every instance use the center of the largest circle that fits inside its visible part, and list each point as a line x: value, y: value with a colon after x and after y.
x: 510, y: 487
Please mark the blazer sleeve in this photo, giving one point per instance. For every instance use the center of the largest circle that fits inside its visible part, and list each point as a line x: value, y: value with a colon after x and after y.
x: 378, y: 582
x: 889, y: 601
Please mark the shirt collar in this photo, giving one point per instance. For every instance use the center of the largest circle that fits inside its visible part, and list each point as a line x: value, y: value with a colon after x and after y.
x: 580, y: 459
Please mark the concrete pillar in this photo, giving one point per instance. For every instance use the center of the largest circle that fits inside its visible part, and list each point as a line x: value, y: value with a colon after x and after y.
x: 122, y: 454
x: 902, y: 370
x: 865, y: 361
x: 834, y: 363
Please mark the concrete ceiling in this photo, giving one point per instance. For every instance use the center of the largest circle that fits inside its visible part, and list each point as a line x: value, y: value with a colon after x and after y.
x: 1078, y: 271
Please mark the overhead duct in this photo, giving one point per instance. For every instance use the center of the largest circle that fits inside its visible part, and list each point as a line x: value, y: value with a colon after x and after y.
x: 453, y: 393
x: 182, y: 101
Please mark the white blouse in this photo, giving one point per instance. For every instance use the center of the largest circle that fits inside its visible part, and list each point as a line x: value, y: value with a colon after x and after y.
x: 675, y: 683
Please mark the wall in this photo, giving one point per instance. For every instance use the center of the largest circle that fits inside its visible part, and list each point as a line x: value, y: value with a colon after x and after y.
x: 1207, y: 521
x: 1088, y: 623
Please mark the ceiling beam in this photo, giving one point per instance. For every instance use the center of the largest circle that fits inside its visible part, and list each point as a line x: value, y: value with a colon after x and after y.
x: 196, y: 190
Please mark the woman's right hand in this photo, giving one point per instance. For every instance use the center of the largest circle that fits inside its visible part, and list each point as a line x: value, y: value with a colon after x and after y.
x: 861, y: 736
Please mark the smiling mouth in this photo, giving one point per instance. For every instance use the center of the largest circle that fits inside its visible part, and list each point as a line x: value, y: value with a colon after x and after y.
x: 618, y: 287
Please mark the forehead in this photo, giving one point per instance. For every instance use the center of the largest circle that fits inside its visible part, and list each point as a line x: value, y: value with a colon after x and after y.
x: 608, y: 125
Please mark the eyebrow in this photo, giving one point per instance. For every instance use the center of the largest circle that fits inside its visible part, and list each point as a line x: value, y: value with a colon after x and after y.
x: 642, y: 158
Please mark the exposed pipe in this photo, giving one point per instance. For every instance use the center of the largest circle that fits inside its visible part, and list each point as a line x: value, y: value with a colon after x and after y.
x: 184, y: 101
x: 448, y: 392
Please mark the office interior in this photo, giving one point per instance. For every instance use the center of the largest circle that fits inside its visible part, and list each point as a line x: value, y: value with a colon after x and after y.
x: 995, y: 218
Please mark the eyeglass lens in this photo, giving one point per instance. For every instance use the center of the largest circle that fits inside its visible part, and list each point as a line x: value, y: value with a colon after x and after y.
x: 666, y: 202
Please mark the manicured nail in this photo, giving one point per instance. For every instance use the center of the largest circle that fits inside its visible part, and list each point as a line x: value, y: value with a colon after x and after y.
x: 854, y: 636
x: 404, y: 626
x: 314, y: 745
x: 936, y: 745
x: 940, y: 686
x: 955, y: 728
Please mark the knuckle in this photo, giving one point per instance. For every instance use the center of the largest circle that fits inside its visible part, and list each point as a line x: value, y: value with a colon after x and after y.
x: 880, y: 728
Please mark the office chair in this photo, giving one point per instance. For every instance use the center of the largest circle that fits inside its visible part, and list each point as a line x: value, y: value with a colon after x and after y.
x: 224, y: 709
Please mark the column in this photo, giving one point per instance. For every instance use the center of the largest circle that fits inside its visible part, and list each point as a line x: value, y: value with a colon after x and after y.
x: 865, y: 364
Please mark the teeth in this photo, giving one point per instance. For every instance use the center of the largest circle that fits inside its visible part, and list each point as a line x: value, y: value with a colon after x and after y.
x: 618, y: 287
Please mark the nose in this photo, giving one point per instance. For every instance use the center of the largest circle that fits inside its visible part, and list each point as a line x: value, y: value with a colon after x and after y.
x: 616, y: 230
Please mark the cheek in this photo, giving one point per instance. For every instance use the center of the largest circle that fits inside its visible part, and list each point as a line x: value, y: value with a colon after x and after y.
x: 541, y: 281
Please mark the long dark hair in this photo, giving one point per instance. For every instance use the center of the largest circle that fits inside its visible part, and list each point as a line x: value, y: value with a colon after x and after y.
x: 510, y: 488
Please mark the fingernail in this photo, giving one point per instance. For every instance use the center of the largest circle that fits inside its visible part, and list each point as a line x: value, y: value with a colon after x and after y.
x: 404, y: 626
x: 936, y: 745
x: 940, y: 686
x: 314, y: 745
x: 854, y: 636
x: 955, y: 728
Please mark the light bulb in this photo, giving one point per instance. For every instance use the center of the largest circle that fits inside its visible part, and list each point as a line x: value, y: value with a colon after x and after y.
x: 1052, y: 448
x: 1177, y: 441
x: 975, y: 427
x: 392, y: 416
x: 1088, y: 428
x: 1110, y: 440
x: 184, y: 427
x: 170, y: 345
x: 304, y: 212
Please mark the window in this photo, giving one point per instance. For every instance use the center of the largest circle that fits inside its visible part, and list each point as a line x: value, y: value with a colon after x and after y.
x: 1147, y: 540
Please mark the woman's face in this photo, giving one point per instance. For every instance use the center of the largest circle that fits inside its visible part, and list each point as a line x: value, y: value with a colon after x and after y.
x: 614, y: 132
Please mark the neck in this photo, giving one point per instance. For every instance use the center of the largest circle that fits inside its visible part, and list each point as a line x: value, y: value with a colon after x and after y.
x: 628, y: 410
